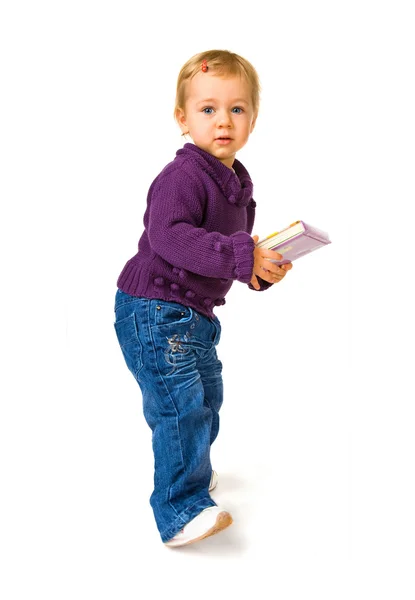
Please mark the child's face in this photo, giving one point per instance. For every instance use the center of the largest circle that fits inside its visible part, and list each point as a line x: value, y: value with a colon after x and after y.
x: 218, y: 115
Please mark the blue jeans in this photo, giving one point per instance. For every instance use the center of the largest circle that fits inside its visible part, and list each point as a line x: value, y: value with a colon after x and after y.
x: 171, y: 351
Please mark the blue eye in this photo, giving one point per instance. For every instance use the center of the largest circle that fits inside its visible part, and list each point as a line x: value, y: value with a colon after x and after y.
x: 208, y: 110
x: 237, y: 110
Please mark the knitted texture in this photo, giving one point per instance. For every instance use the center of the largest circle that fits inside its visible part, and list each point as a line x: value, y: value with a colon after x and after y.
x: 196, y: 240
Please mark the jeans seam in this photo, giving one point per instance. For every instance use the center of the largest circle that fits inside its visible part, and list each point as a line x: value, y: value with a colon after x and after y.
x: 168, y: 395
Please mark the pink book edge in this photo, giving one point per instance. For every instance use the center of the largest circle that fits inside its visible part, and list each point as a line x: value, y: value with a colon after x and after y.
x: 309, y: 232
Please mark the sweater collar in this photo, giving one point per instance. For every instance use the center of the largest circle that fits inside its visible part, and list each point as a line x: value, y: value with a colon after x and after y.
x: 236, y: 186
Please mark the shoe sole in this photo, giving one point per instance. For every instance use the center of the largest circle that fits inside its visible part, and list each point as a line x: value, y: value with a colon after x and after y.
x: 223, y: 520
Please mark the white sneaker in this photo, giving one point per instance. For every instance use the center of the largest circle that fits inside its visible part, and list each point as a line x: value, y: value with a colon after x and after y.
x: 213, y: 481
x: 207, y: 523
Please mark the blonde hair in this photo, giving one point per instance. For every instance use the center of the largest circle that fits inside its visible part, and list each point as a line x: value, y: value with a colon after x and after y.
x: 223, y: 63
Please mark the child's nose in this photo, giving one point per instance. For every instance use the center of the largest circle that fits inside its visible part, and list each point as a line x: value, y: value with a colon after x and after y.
x: 224, y: 119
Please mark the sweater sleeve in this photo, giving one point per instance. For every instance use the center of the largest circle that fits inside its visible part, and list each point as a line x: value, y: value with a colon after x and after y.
x: 174, y: 230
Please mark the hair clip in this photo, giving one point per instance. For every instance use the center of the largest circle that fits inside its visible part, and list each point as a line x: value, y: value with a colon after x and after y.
x: 204, y: 66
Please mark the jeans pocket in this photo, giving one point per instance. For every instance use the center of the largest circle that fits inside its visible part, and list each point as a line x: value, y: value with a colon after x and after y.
x: 127, y: 335
x: 172, y: 313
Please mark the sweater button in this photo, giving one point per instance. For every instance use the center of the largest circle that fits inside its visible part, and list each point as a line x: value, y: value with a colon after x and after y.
x: 159, y: 281
x: 190, y: 294
x: 220, y: 301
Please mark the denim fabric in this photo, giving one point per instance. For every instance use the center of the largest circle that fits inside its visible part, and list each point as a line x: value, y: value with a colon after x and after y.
x: 171, y: 351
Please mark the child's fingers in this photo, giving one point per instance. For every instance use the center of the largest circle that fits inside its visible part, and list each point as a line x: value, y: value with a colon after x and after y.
x: 271, y: 276
x: 255, y: 282
x: 271, y: 254
x: 267, y: 265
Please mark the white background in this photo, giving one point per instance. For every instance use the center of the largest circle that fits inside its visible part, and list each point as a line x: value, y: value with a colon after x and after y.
x: 316, y: 451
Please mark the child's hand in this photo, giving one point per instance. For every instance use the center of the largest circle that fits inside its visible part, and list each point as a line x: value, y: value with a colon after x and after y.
x: 264, y: 268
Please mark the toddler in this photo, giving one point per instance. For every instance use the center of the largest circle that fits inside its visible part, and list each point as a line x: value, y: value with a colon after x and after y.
x: 196, y: 243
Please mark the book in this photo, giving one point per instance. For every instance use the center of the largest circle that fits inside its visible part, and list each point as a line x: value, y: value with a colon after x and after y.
x: 295, y: 241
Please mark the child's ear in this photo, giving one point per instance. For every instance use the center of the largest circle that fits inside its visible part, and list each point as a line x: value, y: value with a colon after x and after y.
x: 253, y: 122
x: 181, y: 119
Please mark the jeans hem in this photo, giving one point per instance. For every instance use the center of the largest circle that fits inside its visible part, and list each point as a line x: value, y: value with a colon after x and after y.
x: 185, y: 517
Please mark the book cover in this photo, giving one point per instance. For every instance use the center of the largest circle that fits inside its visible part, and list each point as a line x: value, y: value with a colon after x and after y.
x: 295, y: 241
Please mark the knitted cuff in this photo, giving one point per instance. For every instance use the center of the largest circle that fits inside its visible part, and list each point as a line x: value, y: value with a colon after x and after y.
x: 243, y: 249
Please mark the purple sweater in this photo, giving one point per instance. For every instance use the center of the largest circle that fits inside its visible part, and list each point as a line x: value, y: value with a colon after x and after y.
x: 197, y: 239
